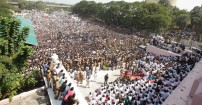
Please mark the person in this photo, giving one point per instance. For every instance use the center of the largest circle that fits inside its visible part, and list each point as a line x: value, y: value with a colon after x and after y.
x: 45, y: 68
x: 69, y: 93
x: 95, y: 76
x: 71, y: 100
x: 61, y: 80
x: 48, y: 76
x: 62, y: 88
x: 88, y: 72
x: 77, y: 77
x: 121, y: 71
x: 81, y: 76
x: 87, y: 82
x: 61, y: 73
x: 106, y: 79
x: 54, y: 80
x: 126, y: 100
x: 57, y: 87
x: 67, y: 89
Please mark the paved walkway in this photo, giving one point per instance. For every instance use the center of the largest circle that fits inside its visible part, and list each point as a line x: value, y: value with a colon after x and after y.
x: 113, y: 75
x: 81, y: 90
x: 79, y: 96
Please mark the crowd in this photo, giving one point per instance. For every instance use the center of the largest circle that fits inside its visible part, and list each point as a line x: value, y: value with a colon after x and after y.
x: 127, y: 91
x: 79, y: 43
x: 186, y: 34
x: 85, y: 47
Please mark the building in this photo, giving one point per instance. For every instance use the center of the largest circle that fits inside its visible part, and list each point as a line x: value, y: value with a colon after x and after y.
x: 172, y: 2
x: 31, y: 38
x: 200, y: 10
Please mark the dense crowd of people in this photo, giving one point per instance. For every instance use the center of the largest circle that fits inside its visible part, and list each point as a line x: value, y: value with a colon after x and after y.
x: 79, y: 43
x: 74, y: 39
x: 85, y: 47
x: 186, y: 34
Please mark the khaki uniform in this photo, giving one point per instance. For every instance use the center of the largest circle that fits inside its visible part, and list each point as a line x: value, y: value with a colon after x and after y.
x: 69, y: 65
x: 81, y: 76
x: 48, y: 76
x: 54, y: 81
x: 77, y: 76
x: 57, y: 87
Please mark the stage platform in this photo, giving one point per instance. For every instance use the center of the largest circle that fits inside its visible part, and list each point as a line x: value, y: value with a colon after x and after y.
x: 158, y: 51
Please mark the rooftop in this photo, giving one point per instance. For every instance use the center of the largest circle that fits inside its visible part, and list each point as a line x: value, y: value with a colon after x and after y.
x: 31, y: 39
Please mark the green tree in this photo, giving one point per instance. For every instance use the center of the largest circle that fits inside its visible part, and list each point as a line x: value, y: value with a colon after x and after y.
x: 100, y: 11
x: 13, y: 38
x: 29, y: 5
x: 183, y: 20
x: 40, y: 5
x: 165, y: 3
x: 158, y: 22
x: 85, y: 8
x: 139, y: 15
x: 5, y: 9
x: 13, y: 56
x: 196, y: 19
x: 10, y: 78
x: 157, y: 17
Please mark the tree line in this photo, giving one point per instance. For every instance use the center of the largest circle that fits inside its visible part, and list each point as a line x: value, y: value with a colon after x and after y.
x: 155, y: 17
x: 14, y: 55
x: 39, y: 5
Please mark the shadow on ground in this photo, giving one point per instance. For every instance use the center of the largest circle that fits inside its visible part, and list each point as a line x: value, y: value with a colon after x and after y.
x: 99, y: 82
x: 116, y: 75
x: 43, y: 97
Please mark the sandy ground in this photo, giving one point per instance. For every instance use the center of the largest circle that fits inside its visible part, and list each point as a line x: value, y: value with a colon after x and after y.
x: 38, y: 98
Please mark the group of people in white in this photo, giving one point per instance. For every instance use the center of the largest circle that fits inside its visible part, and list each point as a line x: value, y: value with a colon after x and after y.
x: 167, y: 75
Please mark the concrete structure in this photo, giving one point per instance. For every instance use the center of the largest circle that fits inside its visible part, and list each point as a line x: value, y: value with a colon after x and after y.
x: 189, y: 91
x: 172, y: 2
x: 78, y: 93
x: 193, y: 43
x: 157, y: 51
x: 21, y: 96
